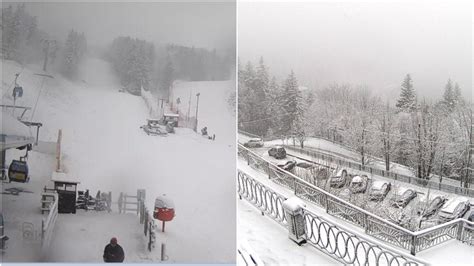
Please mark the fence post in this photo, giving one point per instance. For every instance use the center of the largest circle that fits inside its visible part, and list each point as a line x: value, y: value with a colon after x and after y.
x: 460, y: 230
x: 413, y: 245
x: 146, y: 223
x: 293, y: 209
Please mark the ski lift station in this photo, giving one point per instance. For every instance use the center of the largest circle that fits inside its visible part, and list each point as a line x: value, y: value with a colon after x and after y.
x: 66, y: 187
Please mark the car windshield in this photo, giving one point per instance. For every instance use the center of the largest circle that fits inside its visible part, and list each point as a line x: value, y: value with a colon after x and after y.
x: 434, y: 203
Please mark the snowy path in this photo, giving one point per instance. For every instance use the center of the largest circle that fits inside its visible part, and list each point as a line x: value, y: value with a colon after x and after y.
x: 104, y: 147
x: 270, y: 240
x: 96, y: 229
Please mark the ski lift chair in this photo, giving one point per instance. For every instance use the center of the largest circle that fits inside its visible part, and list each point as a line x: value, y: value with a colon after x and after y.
x: 18, y: 170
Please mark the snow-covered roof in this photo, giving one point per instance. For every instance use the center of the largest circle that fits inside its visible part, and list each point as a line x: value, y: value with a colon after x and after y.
x: 378, y: 184
x: 14, y: 133
x: 357, y: 179
x: 452, y: 204
x: 339, y: 173
x: 171, y: 115
x: 63, y: 177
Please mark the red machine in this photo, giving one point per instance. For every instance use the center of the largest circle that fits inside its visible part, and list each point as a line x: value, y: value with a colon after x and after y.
x: 164, y: 210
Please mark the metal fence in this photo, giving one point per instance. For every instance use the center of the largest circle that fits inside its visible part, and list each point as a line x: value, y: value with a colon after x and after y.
x: 375, y: 171
x: 334, y: 240
x: 148, y: 225
x: 47, y: 225
x: 373, y: 225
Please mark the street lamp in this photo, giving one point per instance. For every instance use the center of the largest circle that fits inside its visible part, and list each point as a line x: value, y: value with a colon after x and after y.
x: 197, y: 108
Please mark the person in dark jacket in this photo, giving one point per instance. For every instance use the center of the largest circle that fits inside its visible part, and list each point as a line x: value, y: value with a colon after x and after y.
x: 113, y: 252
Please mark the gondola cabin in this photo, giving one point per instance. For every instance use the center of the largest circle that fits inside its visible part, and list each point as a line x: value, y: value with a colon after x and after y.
x: 164, y: 209
x: 66, y: 187
x: 18, y: 171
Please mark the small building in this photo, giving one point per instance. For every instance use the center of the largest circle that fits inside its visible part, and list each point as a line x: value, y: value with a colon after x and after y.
x: 171, y: 117
x: 66, y: 187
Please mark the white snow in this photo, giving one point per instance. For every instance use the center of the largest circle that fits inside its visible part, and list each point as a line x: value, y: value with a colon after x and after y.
x: 452, y: 204
x: 378, y: 184
x: 269, y: 240
x: 104, y: 147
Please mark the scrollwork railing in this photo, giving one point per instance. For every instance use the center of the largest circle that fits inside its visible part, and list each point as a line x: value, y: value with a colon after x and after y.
x: 375, y: 226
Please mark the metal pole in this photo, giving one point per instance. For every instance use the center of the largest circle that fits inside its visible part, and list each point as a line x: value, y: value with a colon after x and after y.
x: 197, y: 109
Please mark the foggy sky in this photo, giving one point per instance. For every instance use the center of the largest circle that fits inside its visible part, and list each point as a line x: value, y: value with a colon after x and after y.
x: 200, y: 24
x: 375, y: 44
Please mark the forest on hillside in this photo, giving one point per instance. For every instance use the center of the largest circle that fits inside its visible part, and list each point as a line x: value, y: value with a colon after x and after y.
x: 432, y: 137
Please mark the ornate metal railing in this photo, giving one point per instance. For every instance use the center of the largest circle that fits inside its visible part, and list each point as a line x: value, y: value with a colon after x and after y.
x: 262, y: 197
x: 349, y: 247
x: 375, y: 226
x: 336, y: 241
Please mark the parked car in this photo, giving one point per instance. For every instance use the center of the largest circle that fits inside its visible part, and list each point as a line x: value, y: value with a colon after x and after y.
x: 402, y: 200
x: 359, y: 184
x: 379, y: 190
x: 453, y: 210
x: 428, y: 210
x: 153, y: 128
x: 254, y: 143
x: 288, y: 166
x: 305, y: 165
x: 338, y: 180
x: 278, y: 152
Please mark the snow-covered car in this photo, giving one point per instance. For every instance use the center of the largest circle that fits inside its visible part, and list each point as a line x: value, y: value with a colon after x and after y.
x: 359, y: 184
x: 254, y: 143
x: 277, y: 152
x: 338, y: 180
x: 428, y: 210
x: 453, y: 210
x: 153, y: 127
x: 379, y: 190
x: 288, y: 166
x: 402, y: 200
x: 305, y: 165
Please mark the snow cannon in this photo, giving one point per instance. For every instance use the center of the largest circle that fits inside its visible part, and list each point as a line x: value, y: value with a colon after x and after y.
x: 164, y: 210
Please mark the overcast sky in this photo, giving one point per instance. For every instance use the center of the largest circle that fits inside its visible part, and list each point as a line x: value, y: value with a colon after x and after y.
x: 199, y: 24
x: 375, y: 44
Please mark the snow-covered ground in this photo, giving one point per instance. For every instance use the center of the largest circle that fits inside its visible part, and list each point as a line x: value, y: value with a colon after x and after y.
x: 269, y: 240
x: 103, y: 146
x: 451, y: 252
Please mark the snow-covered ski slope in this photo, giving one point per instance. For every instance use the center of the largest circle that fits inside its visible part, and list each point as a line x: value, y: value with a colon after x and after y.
x: 105, y: 149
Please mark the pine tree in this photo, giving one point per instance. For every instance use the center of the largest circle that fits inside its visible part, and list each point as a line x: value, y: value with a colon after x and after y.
x: 167, y: 78
x: 407, y: 100
x: 457, y: 94
x: 449, y: 98
x: 292, y: 105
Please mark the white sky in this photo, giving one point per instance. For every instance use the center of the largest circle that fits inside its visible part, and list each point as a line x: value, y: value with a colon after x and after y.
x: 198, y: 23
x: 372, y: 43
